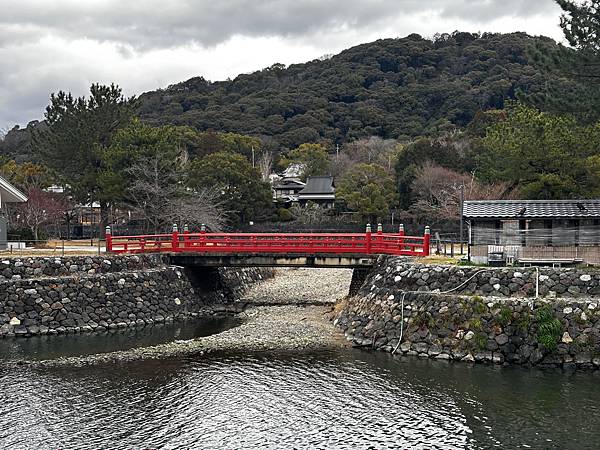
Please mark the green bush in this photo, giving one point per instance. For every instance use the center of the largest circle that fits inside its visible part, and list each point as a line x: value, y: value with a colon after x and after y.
x: 25, y: 235
x: 480, y: 340
x: 549, y: 328
x: 284, y: 215
x: 505, y: 316
x: 523, y: 322
x: 475, y: 324
x: 479, y: 305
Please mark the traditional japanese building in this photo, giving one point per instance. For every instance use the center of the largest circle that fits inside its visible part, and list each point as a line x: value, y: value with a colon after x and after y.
x: 286, y: 190
x: 552, y: 232
x: 8, y: 194
x: 319, y: 190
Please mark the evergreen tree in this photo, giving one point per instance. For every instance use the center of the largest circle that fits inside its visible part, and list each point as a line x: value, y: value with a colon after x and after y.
x: 368, y: 189
x: 546, y: 156
x: 578, y: 90
x: 77, y: 139
x: 241, y: 188
x: 313, y: 157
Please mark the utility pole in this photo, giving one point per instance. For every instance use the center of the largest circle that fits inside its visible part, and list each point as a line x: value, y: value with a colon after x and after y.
x: 462, y: 200
x: 91, y: 222
x: 253, y: 165
x: 337, y: 151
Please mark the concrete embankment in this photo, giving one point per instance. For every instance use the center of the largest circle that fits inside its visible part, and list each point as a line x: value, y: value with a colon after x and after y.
x: 40, y: 296
x: 478, y: 315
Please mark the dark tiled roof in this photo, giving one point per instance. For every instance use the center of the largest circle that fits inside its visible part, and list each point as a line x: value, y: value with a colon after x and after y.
x: 289, y: 183
x: 318, y: 185
x: 528, y: 209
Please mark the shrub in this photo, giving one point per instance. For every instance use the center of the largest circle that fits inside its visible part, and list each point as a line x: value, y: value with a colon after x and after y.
x: 479, y: 305
x: 284, y: 215
x: 505, y: 316
x: 480, y: 340
x: 549, y: 328
x: 475, y: 324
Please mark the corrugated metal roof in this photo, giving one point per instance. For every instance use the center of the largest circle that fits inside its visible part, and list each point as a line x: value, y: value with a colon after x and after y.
x: 527, y: 209
x: 9, y: 193
x: 318, y: 185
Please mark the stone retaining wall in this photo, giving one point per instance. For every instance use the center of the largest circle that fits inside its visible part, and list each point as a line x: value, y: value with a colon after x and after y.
x: 501, y: 281
x: 107, y: 293
x: 561, y: 332
x: 24, y: 268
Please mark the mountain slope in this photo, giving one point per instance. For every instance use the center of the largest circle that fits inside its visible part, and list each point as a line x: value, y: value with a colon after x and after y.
x: 394, y: 88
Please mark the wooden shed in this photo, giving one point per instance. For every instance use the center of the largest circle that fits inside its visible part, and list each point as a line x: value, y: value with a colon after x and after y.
x: 552, y: 232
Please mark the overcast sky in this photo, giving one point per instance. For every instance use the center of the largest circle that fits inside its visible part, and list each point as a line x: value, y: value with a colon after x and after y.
x: 51, y: 45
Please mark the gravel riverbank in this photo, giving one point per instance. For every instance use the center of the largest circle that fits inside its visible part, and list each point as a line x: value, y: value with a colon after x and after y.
x: 290, y: 312
x: 301, y: 287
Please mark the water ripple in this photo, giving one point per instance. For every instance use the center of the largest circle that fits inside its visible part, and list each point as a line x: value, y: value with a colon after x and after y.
x: 343, y: 400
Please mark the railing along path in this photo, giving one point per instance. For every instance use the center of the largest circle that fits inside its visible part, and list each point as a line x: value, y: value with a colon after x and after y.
x: 367, y: 243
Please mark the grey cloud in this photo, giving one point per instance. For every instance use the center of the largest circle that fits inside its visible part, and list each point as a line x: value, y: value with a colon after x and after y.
x: 163, y: 24
x: 36, y: 36
x: 488, y: 10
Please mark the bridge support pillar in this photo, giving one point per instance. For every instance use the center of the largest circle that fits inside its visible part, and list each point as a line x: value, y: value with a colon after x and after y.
x: 204, y: 279
x: 359, y: 276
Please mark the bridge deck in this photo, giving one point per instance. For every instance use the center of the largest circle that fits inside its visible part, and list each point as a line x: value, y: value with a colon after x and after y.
x: 349, y: 261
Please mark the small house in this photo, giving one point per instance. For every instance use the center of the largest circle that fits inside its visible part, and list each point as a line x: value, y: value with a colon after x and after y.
x: 551, y: 232
x: 8, y: 194
x: 286, y: 190
x: 319, y: 190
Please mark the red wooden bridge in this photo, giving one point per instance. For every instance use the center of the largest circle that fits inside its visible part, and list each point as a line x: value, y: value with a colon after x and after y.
x: 204, y: 243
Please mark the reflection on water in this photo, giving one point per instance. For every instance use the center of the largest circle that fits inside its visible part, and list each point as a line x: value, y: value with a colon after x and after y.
x: 54, y: 346
x: 349, y: 399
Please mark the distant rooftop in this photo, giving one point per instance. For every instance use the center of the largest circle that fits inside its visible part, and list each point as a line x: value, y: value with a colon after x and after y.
x: 290, y: 182
x: 318, y: 185
x: 528, y: 209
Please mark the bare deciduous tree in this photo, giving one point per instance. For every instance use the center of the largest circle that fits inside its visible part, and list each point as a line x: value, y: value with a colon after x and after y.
x: 199, y: 207
x: 373, y: 150
x: 438, y: 191
x: 265, y: 164
x: 42, y: 208
x: 312, y: 215
x: 160, y: 198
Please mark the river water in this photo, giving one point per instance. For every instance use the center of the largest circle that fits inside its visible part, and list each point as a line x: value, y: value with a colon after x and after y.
x: 341, y: 399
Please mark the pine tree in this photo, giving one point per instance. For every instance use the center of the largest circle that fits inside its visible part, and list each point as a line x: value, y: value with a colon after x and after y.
x: 578, y: 92
x: 78, y: 137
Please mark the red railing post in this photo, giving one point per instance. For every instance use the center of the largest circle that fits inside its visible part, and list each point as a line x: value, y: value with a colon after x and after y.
x: 175, y: 238
x: 368, y: 238
x: 202, y: 236
x: 186, y: 236
x: 379, y: 237
x: 108, y: 236
x: 401, y: 236
x: 426, y: 239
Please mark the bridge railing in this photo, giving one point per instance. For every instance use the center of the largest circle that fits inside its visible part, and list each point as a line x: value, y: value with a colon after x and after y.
x: 311, y: 243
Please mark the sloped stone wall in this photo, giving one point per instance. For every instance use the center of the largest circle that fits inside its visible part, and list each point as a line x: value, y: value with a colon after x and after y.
x: 49, y: 296
x: 501, y: 329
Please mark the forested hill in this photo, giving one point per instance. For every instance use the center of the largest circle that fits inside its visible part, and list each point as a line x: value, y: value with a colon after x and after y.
x: 393, y: 88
